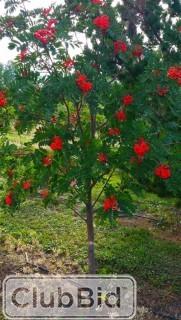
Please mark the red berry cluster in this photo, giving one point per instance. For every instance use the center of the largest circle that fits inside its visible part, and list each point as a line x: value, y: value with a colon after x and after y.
x: 174, y: 73
x: 3, y: 99
x: 48, y: 33
x: 47, y: 161
x: 102, y: 22
x: 9, y: 199
x: 121, y: 115
x: 69, y: 63
x: 44, y: 35
x: 163, y: 171
x: 56, y: 143
x: 127, y: 100
x: 102, y: 157
x: 141, y: 147
x: 110, y: 203
x: 137, y: 51
x: 26, y: 185
x: 83, y: 84
x: 114, y: 131
x: 120, y: 46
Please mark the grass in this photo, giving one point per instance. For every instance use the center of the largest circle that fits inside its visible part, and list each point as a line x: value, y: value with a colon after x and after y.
x: 118, y: 250
x: 18, y: 139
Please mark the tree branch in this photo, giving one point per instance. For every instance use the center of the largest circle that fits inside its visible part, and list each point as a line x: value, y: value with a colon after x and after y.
x: 108, y: 179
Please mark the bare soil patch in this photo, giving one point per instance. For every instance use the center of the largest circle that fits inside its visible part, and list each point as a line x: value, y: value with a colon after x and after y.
x: 149, y: 224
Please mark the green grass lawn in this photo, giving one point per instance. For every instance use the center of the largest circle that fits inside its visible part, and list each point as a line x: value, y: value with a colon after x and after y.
x: 118, y: 250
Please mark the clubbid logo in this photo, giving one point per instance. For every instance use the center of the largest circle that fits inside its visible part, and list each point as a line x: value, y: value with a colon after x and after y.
x: 69, y: 297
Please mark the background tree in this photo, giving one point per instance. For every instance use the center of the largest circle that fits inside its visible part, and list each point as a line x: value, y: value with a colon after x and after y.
x: 111, y: 109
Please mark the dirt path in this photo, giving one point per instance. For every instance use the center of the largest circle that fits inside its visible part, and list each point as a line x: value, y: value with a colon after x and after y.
x: 148, y: 224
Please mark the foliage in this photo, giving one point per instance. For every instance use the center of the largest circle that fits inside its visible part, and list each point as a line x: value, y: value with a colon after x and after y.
x: 44, y: 86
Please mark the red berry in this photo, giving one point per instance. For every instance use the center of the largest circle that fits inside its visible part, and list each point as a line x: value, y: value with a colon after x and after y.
x: 45, y: 35
x: 9, y: 199
x: 163, y: 171
x: 69, y: 63
x: 102, y: 157
x: 174, y: 73
x: 127, y: 100
x: 26, y: 185
x: 56, y: 143
x: 3, y: 99
x: 83, y: 84
x: 47, y: 161
x: 114, y: 131
x: 137, y: 51
x: 102, y: 22
x: 141, y: 147
x: 121, y: 115
x: 110, y: 204
x: 120, y: 46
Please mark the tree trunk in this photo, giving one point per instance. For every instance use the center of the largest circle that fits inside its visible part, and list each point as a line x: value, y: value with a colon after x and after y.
x: 90, y: 233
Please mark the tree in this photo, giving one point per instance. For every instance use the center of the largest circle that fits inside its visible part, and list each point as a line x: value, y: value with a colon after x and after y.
x: 97, y: 87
